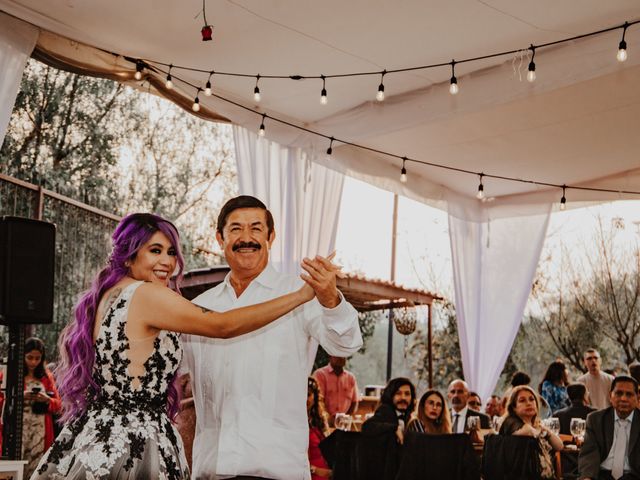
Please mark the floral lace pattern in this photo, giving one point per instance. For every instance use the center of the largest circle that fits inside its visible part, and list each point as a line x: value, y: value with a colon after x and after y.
x: 126, y: 433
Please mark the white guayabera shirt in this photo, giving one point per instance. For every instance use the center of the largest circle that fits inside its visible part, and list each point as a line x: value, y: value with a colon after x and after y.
x: 250, y: 392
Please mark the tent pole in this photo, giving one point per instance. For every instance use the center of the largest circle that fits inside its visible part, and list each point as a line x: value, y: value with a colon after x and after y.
x: 394, y: 232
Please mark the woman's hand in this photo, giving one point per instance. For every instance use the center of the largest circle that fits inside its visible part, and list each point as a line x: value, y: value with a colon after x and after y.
x: 527, y: 430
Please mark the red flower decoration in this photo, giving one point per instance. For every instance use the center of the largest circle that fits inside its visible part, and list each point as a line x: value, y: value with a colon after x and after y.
x: 207, y: 31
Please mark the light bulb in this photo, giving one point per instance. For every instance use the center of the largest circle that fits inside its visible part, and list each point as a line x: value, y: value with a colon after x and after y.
x: 453, y: 88
x: 207, y: 89
x: 323, y: 97
x: 261, y: 131
x: 403, y: 175
x: 563, y: 203
x: 380, y: 94
x: 622, y: 52
x: 137, y: 75
x: 196, y: 105
x: 531, y: 76
x: 256, y: 94
x: 480, y: 194
x: 169, y: 83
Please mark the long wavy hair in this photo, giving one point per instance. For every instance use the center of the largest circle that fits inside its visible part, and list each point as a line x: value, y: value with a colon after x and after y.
x: 512, y: 422
x: 317, y: 413
x: 75, y: 372
x: 390, y: 390
x: 31, y: 344
x: 440, y: 425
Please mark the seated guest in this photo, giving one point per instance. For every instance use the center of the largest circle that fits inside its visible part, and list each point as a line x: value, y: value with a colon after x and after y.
x: 458, y: 394
x: 318, y: 427
x: 397, y: 402
x: 433, y: 415
x: 338, y: 388
x: 579, y: 408
x: 522, y: 419
x: 521, y: 378
x: 494, y: 407
x: 474, y: 402
x: 611, y: 446
x: 554, y: 386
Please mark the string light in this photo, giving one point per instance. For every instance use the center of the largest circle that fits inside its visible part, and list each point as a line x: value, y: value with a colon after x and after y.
x: 330, y: 150
x: 403, y: 172
x: 207, y: 87
x: 169, y: 83
x: 563, y: 200
x: 453, y: 87
x: 480, y: 194
x: 139, y: 67
x: 323, y: 93
x: 622, y: 46
x: 261, y: 130
x: 380, y: 94
x: 196, y: 102
x: 531, y: 74
x: 256, y: 91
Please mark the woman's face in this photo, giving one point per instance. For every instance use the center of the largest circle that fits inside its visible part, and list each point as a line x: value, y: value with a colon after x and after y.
x: 433, y: 407
x: 32, y: 359
x: 526, y: 407
x: 155, y: 261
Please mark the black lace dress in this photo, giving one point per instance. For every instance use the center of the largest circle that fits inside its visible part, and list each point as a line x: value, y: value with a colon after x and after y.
x: 126, y: 433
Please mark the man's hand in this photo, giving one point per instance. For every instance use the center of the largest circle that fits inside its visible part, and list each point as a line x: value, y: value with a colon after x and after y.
x: 400, y: 434
x: 322, y: 278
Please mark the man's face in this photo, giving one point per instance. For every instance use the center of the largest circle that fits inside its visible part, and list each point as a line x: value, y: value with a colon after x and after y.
x: 474, y: 403
x: 624, y: 398
x: 337, y: 363
x: 493, y: 407
x: 246, y: 241
x: 402, y: 398
x: 593, y: 362
x: 458, y: 395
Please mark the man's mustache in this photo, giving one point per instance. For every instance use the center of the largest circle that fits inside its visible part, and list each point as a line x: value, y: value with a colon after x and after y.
x: 240, y: 245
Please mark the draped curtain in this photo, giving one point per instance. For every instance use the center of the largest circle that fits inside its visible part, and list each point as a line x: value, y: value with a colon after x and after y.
x: 495, y: 253
x: 17, y: 40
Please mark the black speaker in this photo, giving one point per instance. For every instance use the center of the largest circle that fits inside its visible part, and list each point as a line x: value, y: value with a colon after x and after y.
x: 27, y: 254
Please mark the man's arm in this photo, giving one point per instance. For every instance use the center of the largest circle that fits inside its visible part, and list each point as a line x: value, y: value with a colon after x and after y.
x: 589, y: 457
x: 354, y: 397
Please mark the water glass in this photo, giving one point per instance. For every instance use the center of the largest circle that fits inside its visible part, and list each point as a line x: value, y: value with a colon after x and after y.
x: 473, y: 423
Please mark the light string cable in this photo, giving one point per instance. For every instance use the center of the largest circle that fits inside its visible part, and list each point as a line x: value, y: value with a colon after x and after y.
x: 404, y: 159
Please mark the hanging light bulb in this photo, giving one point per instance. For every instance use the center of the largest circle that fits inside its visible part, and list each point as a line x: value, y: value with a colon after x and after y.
x: 531, y: 74
x: 380, y: 94
x: 622, y: 46
x: 261, y: 130
x: 196, y: 103
x: 169, y: 82
x: 453, y: 85
x: 563, y: 200
x: 256, y: 90
x: 139, y: 67
x: 480, y: 194
x: 207, y: 87
x: 323, y: 93
x: 403, y: 171
x: 330, y: 149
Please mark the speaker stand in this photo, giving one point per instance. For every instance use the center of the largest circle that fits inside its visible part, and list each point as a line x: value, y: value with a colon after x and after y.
x: 12, y: 421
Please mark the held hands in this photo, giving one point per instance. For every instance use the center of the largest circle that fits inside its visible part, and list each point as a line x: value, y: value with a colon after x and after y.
x: 321, y: 277
x: 40, y: 397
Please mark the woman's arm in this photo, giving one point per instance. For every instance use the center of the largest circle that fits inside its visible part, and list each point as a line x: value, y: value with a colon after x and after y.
x: 164, y: 309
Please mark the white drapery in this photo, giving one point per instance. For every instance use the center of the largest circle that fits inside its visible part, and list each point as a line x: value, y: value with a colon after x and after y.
x: 17, y: 40
x: 303, y: 197
x: 495, y: 252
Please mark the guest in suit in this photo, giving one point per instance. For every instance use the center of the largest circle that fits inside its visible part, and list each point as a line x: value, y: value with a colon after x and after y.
x: 522, y: 420
x: 474, y: 402
x: 458, y: 394
x: 611, y: 447
x: 433, y: 415
x: 579, y: 407
x: 397, y: 402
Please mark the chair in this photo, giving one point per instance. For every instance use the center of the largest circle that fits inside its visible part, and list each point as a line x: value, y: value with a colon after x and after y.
x: 339, y: 450
x: 438, y: 456
x: 509, y: 457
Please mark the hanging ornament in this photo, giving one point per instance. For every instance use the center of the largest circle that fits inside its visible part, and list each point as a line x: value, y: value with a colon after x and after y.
x: 405, y: 320
x: 207, y: 30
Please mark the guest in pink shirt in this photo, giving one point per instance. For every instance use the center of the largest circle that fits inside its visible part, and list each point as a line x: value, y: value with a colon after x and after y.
x: 338, y: 386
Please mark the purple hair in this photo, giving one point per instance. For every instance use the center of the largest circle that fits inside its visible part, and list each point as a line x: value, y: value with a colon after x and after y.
x: 75, y: 372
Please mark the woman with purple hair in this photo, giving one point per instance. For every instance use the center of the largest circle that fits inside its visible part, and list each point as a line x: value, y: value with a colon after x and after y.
x: 120, y: 354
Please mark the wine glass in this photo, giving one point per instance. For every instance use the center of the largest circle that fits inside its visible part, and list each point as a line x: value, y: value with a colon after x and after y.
x: 577, y: 427
x: 473, y: 423
x: 553, y: 424
x: 496, y: 423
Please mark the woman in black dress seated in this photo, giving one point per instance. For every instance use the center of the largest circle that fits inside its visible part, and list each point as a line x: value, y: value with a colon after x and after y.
x: 433, y: 415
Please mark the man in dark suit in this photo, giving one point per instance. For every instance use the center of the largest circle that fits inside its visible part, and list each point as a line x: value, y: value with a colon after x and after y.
x: 578, y: 409
x: 611, y: 448
x: 397, y: 402
x: 458, y: 394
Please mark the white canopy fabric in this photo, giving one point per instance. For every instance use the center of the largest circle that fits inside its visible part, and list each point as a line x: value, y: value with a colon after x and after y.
x: 576, y: 124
